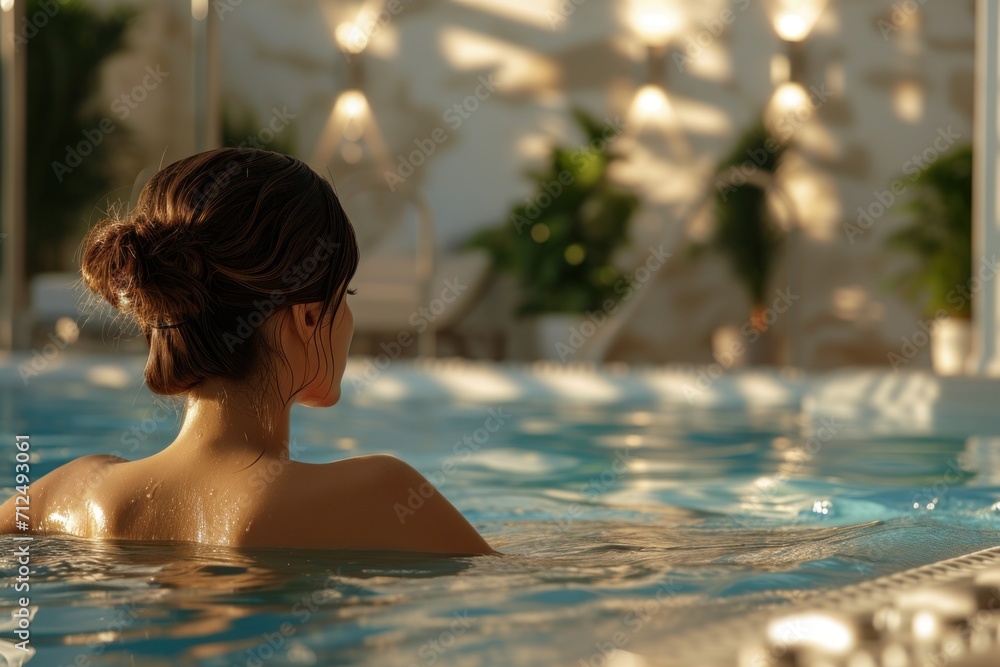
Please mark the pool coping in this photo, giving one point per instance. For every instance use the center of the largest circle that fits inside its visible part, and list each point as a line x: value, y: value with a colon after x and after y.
x: 741, y: 640
x: 904, y: 400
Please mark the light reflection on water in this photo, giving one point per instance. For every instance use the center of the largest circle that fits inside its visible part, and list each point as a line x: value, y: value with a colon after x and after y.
x: 642, y: 521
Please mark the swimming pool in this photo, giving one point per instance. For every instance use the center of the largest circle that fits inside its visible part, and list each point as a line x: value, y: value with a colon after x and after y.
x: 628, y: 514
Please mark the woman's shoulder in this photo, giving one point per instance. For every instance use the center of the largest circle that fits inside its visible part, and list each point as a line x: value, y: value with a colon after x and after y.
x: 79, y: 474
x: 67, y: 485
x: 382, y: 502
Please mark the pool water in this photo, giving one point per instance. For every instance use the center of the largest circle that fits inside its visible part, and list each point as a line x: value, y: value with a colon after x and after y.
x: 622, y: 526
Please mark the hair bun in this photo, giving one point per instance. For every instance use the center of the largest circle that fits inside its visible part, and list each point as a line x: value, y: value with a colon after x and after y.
x: 152, y: 270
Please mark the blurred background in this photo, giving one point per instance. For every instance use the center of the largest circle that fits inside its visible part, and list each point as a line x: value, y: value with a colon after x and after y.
x: 648, y: 181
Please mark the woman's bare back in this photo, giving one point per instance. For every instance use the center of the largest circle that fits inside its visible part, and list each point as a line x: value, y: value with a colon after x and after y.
x: 359, y: 503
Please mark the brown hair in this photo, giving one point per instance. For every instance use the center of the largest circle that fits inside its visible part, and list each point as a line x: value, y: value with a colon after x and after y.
x: 219, y: 243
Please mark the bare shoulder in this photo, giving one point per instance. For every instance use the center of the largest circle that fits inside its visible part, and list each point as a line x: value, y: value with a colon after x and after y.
x: 382, y: 502
x: 70, y: 480
x: 82, y: 471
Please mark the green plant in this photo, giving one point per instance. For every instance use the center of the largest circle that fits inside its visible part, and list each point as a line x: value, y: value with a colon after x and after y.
x: 745, y: 233
x: 940, y: 235
x: 242, y: 128
x: 63, y: 58
x: 560, y: 241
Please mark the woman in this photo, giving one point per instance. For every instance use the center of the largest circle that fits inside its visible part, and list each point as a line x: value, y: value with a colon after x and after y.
x: 234, y: 265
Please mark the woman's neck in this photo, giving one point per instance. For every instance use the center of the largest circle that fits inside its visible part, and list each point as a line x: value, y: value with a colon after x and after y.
x: 223, y: 423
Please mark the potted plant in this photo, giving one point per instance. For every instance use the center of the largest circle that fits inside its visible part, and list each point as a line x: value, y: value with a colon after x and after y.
x: 559, y: 243
x: 747, y: 235
x: 940, y: 236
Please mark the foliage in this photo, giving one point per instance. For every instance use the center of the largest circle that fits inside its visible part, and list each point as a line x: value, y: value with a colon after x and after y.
x: 745, y: 232
x: 242, y: 128
x: 63, y: 60
x: 940, y: 235
x: 560, y: 241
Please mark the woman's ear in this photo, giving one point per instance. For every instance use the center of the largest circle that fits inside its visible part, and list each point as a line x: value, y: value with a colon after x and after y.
x: 305, y: 319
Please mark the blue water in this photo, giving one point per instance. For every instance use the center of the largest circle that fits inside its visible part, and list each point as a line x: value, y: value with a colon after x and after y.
x: 622, y: 526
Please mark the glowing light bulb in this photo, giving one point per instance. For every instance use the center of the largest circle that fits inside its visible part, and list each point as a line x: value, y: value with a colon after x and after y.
x: 792, y: 27
x: 352, y: 104
x: 790, y: 96
x: 6, y: 5
x: 655, y: 21
x: 651, y: 100
x: 795, y: 19
x: 351, y: 38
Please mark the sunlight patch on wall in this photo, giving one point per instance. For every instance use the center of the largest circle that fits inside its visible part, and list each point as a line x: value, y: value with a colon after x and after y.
x: 908, y: 101
x: 516, y: 68
x: 854, y: 303
x: 712, y: 64
x: 815, y: 202
x: 541, y: 13
x: 534, y: 146
x: 819, y: 141
x: 701, y: 118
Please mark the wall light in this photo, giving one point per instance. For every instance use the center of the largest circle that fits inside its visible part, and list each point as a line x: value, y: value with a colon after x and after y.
x: 351, y: 38
x: 651, y: 100
x: 353, y: 114
x: 656, y: 22
x: 352, y: 105
x: 794, y: 20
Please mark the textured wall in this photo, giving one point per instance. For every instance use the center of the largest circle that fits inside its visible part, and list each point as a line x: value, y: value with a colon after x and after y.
x: 892, y: 80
